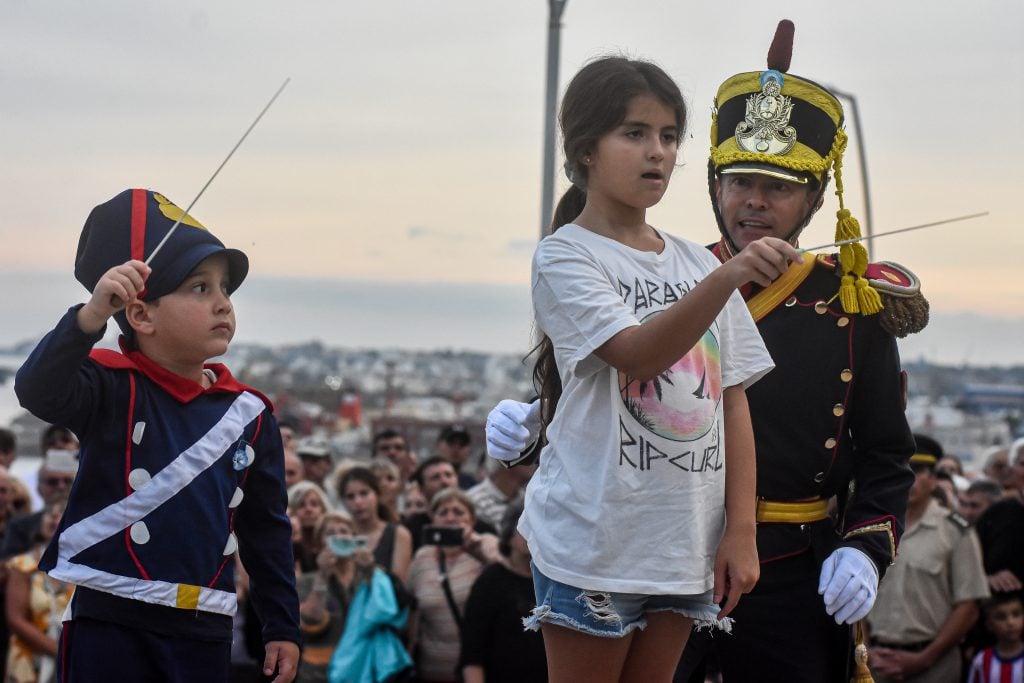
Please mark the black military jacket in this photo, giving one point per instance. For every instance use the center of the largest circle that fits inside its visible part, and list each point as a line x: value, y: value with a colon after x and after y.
x: 829, y: 422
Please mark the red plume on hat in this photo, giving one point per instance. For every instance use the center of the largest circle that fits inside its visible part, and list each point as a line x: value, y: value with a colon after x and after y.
x: 781, y: 51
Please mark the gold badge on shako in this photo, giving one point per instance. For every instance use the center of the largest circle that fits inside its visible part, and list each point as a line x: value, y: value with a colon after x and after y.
x: 766, y: 129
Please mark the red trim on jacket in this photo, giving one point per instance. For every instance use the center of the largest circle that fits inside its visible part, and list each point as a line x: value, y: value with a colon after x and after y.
x: 127, y: 473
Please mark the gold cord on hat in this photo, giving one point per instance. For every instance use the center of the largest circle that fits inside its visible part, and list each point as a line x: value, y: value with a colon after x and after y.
x: 855, y: 293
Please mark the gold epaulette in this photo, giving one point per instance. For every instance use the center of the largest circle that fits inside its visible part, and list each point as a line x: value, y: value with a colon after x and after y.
x: 904, y: 308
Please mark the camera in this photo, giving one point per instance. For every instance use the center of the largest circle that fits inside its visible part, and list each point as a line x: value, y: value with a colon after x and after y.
x: 442, y: 535
x: 344, y: 546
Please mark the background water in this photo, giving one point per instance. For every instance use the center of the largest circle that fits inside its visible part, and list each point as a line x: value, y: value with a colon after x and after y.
x: 432, y: 315
x: 438, y: 315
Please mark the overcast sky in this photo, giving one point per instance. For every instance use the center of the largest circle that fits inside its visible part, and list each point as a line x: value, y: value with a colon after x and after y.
x: 408, y: 145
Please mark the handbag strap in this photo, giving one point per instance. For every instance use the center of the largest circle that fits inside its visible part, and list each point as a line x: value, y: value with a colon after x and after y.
x: 447, y: 588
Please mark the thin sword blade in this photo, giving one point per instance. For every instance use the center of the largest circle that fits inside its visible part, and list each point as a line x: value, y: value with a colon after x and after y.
x: 894, y: 232
x: 237, y: 145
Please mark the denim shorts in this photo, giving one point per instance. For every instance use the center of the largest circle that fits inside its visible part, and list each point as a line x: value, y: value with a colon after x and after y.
x: 612, y: 615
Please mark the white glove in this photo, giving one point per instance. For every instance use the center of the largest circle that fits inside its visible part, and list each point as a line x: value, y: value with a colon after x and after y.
x: 849, y: 584
x: 511, y: 428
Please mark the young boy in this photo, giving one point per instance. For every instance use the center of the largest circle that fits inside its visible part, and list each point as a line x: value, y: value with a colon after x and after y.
x: 180, y: 463
x: 1004, y: 661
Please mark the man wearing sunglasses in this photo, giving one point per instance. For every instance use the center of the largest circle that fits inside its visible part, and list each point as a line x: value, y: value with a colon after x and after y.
x: 56, y: 475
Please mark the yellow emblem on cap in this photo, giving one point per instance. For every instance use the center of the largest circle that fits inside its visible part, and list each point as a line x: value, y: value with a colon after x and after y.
x: 172, y: 212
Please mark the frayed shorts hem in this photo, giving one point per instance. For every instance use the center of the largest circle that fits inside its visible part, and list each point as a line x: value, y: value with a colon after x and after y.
x: 613, y: 615
x: 544, y: 614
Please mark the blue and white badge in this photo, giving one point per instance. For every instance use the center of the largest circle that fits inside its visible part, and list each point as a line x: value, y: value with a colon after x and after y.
x: 243, y: 457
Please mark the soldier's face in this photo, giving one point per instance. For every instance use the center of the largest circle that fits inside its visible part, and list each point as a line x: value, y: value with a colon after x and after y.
x: 924, y: 484
x: 755, y: 206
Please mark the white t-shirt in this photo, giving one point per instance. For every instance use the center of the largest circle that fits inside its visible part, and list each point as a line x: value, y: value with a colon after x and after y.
x: 629, y: 496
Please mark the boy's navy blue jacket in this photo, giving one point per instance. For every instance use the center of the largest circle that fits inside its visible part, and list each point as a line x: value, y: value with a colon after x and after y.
x: 172, y: 479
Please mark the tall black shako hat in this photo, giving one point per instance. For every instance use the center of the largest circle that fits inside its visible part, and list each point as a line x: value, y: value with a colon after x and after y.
x: 781, y: 125
x: 130, y: 226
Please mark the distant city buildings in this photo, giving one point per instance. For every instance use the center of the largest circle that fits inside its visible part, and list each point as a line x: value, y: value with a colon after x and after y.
x: 349, y: 394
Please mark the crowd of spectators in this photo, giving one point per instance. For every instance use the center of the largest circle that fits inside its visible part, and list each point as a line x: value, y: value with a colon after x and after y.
x: 420, y: 555
x: 406, y: 549
x: 949, y: 609
x: 388, y: 552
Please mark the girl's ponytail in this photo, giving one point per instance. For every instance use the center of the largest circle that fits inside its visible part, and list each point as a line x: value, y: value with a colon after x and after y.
x: 547, y: 383
x: 569, y: 207
x: 546, y: 380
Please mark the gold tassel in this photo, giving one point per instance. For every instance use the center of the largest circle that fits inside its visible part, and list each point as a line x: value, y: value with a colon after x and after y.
x: 856, y: 294
x: 847, y: 227
x: 848, y: 295
x: 860, y: 259
x: 861, y: 672
x: 867, y: 297
x: 847, y: 292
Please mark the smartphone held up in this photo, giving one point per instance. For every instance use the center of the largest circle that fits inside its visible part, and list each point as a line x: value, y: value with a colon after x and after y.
x: 345, y: 546
x: 442, y: 535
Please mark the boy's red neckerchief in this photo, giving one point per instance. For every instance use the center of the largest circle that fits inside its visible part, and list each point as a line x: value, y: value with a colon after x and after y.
x: 182, y: 389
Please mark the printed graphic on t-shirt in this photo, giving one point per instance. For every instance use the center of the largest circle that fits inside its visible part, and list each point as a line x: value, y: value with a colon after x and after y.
x: 680, y: 404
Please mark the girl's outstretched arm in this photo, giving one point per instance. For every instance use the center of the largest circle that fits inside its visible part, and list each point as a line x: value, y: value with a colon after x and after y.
x: 644, y: 351
x: 736, y: 564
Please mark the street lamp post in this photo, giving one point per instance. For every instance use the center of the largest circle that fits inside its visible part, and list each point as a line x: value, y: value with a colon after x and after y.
x: 556, y: 7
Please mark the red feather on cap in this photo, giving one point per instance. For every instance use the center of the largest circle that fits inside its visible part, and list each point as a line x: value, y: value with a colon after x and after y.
x: 781, y: 51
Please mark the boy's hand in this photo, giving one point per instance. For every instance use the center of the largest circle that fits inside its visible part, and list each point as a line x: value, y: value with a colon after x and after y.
x: 282, y: 656
x: 118, y: 286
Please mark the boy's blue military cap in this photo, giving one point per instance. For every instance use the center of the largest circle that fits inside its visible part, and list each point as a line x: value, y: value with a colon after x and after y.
x: 130, y: 226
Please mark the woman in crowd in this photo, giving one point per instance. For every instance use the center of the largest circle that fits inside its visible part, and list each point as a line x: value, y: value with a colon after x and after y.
x: 442, y: 573
x: 390, y: 543
x: 325, y: 595
x: 389, y: 481
x: 495, y: 647
x: 20, y: 497
x: 35, y: 603
x: 307, y: 504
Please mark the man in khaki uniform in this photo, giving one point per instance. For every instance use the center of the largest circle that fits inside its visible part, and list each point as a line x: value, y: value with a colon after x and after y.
x: 929, y: 599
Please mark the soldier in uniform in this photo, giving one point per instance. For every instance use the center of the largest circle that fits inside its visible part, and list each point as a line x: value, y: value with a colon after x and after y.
x: 929, y: 600
x: 831, y: 437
